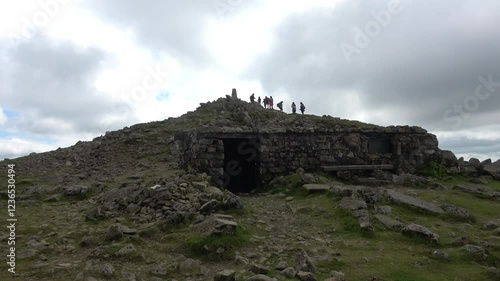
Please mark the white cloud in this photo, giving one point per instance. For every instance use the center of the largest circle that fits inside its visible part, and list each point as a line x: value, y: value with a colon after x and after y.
x: 3, y: 117
x: 88, y: 70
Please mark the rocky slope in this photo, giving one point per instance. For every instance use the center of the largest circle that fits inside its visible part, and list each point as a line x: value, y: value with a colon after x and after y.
x: 119, y: 208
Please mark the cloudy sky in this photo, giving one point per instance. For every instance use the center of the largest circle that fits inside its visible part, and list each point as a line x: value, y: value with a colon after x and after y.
x: 71, y: 70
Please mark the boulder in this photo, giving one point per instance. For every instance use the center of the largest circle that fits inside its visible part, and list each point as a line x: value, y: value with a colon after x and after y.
x: 455, y: 210
x: 258, y: 269
x: 73, y: 190
x: 261, y: 277
x: 231, y: 201
x: 421, y: 231
x: 209, y: 207
x: 389, y: 223
x: 288, y: 272
x: 493, y: 169
x: 304, y: 262
x: 364, y: 219
x: 476, y: 250
x: 352, y: 204
x: 478, y: 190
x: 306, y: 276
x: 404, y: 199
x: 315, y: 188
x: 216, y: 225
x: 225, y: 275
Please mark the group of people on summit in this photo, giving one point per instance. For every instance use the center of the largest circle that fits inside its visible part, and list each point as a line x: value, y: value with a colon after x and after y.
x: 269, y: 104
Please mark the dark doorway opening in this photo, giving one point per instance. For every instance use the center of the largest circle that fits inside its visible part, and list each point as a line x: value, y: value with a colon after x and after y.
x: 241, y: 165
x: 379, y: 146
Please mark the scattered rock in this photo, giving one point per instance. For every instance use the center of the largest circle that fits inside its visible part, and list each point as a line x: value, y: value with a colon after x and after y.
x: 259, y: 269
x: 231, y: 201
x: 288, y: 272
x: 306, y: 276
x: 241, y: 260
x: 460, y: 241
x: 216, y: 225
x: 419, y: 230
x: 455, y: 210
x: 400, y: 198
x: 476, y: 250
x: 190, y: 266
x: 281, y: 265
x: 440, y: 254
x: 209, y: 207
x: 225, y: 275
x: 128, y: 250
x: 261, y: 277
x: 478, y: 181
x: 390, y: 223
x: 478, y: 190
x: 73, y: 190
x: 95, y: 214
x: 315, y: 188
x: 304, y: 262
x: 352, y: 204
x: 336, y: 276
x: 364, y: 219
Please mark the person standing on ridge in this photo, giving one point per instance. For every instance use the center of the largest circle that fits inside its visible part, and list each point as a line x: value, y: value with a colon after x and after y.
x: 302, y: 108
x: 259, y: 100
x: 271, y: 102
x: 294, y: 108
x: 252, y: 98
x: 280, y: 105
x: 266, y: 100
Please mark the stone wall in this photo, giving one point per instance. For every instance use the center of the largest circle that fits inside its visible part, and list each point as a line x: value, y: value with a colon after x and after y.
x: 282, y: 152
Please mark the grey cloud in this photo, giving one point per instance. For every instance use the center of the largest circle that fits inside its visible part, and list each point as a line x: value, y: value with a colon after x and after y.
x: 173, y: 27
x: 427, y: 59
x: 51, y: 85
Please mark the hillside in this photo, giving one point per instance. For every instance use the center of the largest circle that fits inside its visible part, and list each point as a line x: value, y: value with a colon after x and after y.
x: 120, y: 208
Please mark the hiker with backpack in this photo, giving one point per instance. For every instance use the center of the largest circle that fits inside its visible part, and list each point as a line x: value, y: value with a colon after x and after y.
x: 266, y: 101
x: 280, y: 105
x: 302, y: 108
x: 252, y: 98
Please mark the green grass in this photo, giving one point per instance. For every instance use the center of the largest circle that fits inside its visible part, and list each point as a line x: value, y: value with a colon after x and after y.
x: 205, y: 247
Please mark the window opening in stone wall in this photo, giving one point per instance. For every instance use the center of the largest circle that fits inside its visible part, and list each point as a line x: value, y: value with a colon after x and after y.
x: 379, y: 146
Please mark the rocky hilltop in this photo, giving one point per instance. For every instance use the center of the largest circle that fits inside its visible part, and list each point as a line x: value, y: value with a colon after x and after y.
x: 327, y: 199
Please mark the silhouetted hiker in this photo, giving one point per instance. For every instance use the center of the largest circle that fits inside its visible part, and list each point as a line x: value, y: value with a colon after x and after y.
x: 302, y: 108
x: 294, y: 108
x: 258, y: 100
x: 252, y: 98
x: 266, y: 101
x: 271, y: 102
x: 280, y: 105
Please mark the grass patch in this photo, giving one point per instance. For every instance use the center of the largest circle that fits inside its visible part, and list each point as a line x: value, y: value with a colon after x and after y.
x: 206, y: 247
